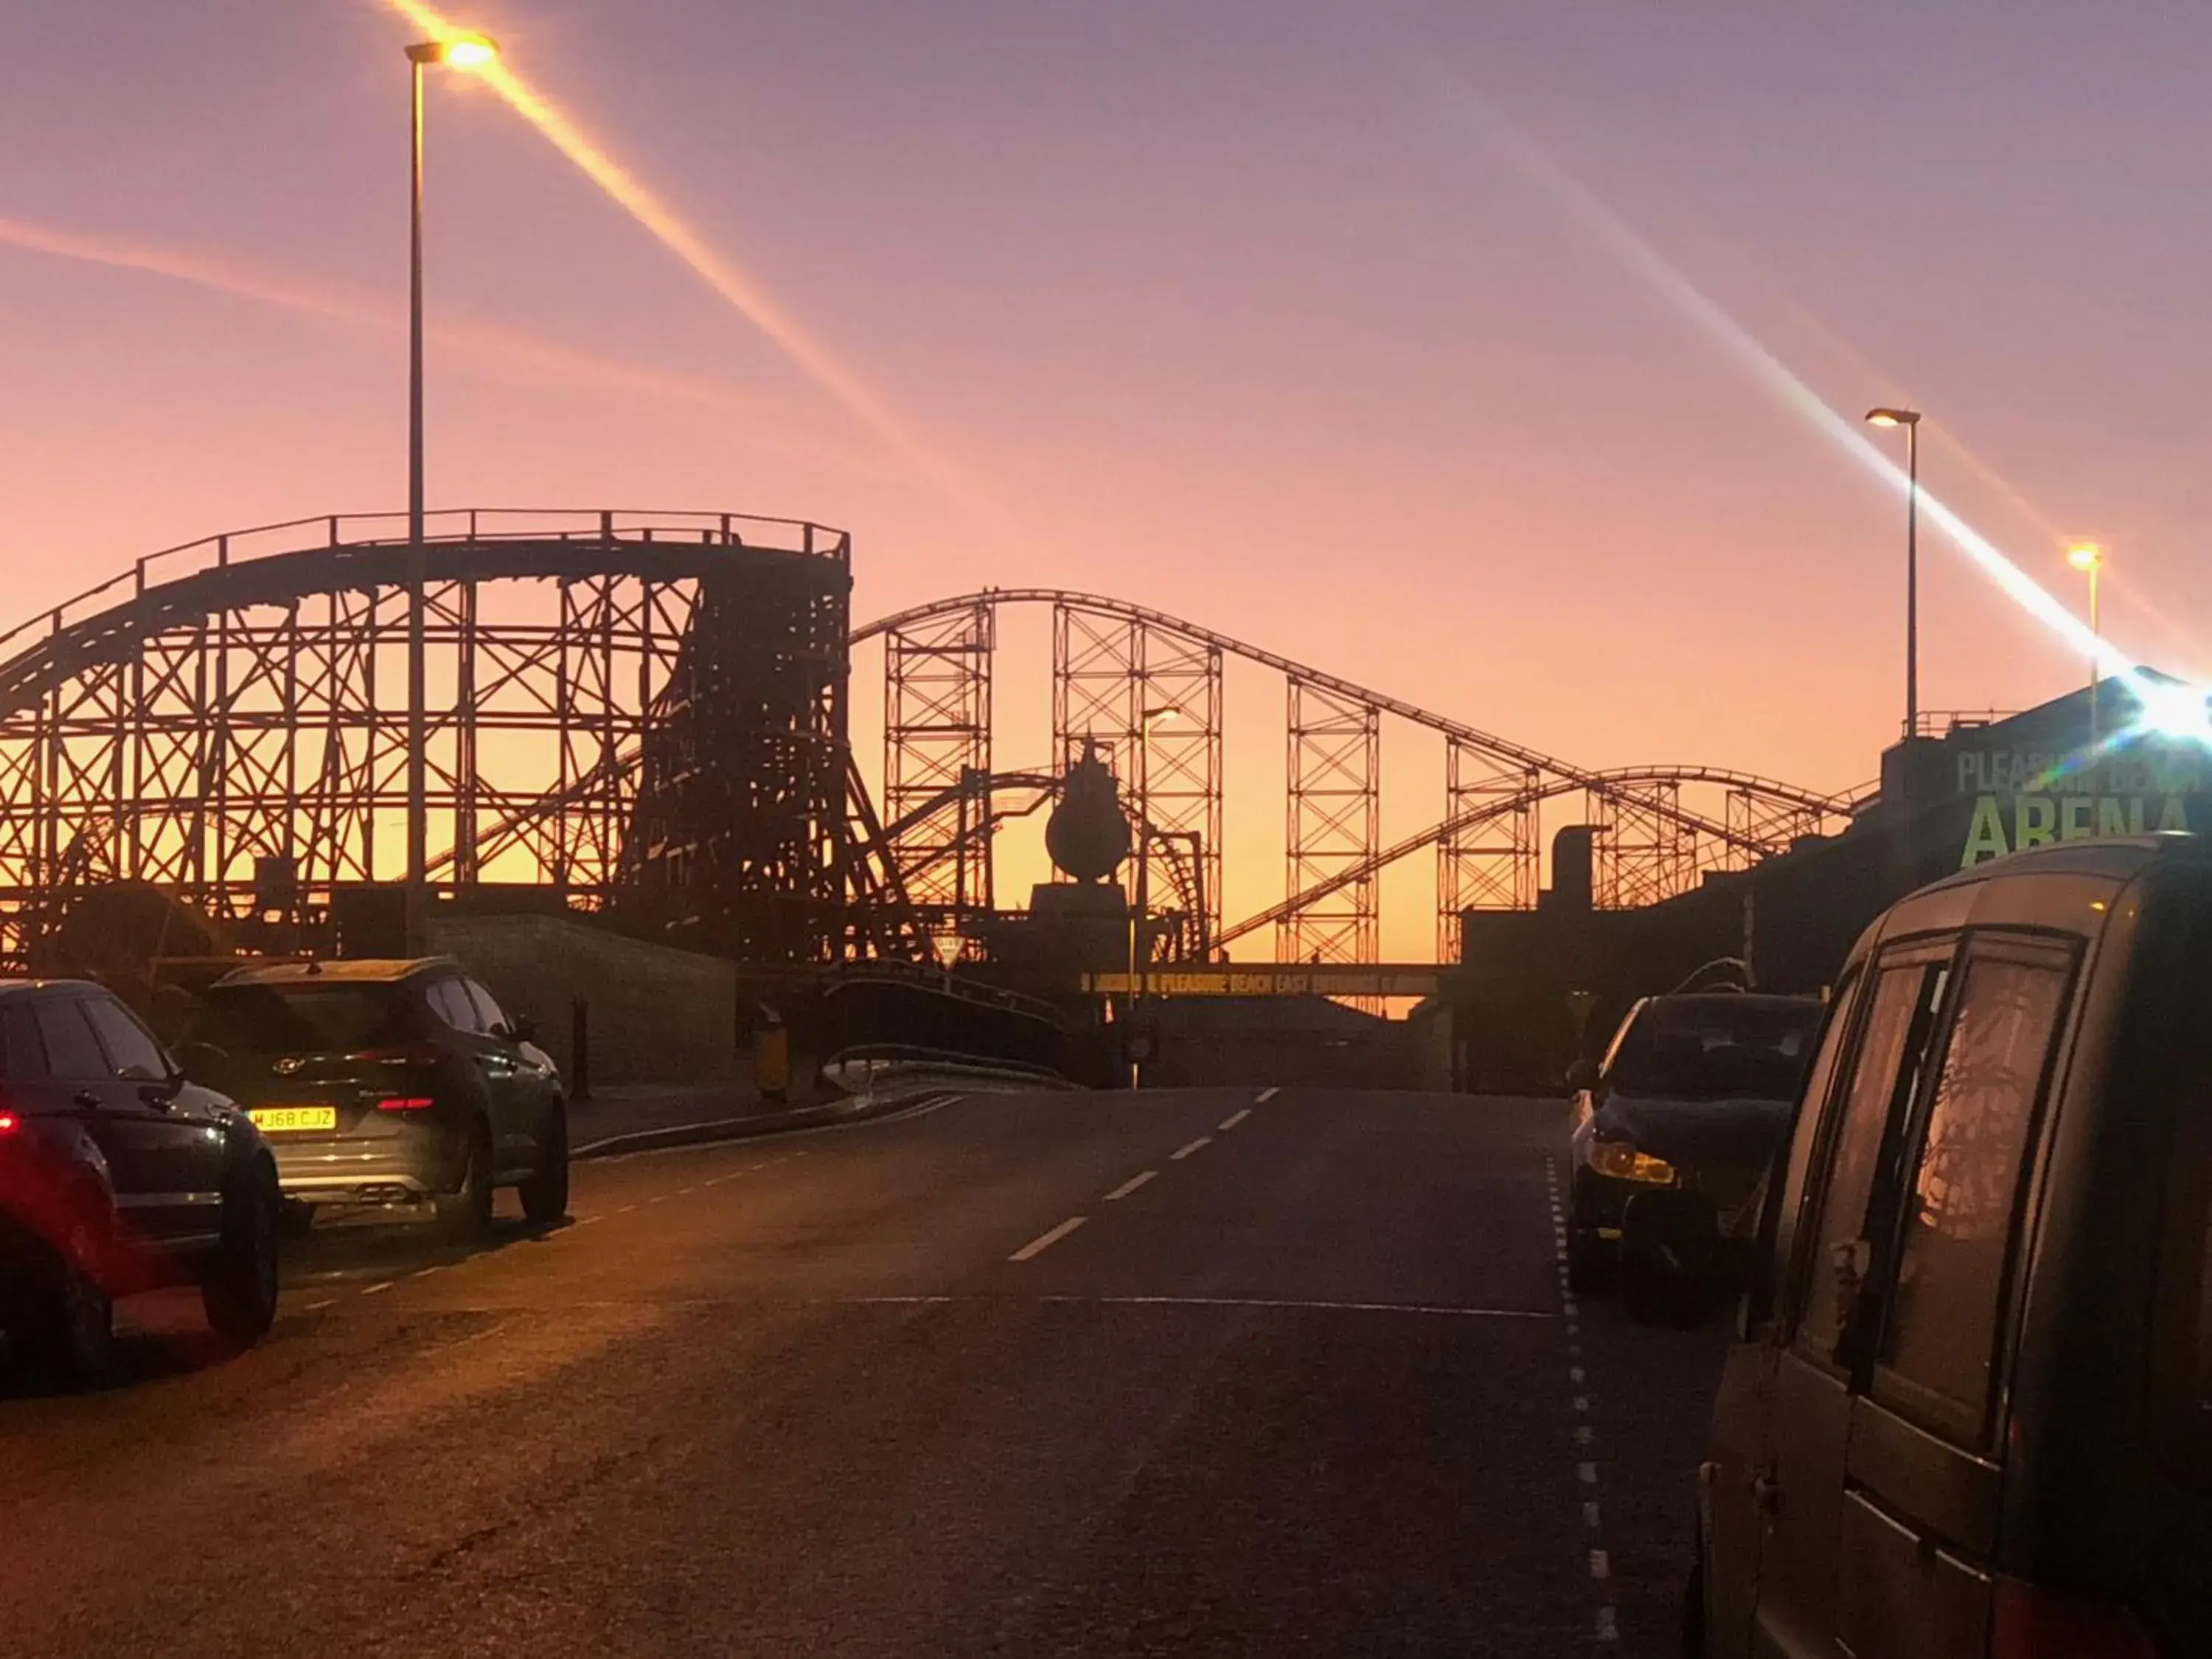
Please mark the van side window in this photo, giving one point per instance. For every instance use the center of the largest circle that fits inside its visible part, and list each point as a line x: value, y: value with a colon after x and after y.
x: 1884, y: 1075
x: 1959, y: 1201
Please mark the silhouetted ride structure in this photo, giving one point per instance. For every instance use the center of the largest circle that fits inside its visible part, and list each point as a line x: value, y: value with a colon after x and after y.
x: 642, y: 713
x: 645, y: 716
x: 1659, y: 828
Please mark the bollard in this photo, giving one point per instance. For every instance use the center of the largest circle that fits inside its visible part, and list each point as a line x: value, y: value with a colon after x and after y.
x: 579, y: 1050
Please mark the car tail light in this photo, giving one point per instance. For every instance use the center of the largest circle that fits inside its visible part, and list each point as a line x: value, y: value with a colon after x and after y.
x: 405, y: 1103
x: 9, y: 1123
x: 414, y: 1053
x: 2032, y: 1622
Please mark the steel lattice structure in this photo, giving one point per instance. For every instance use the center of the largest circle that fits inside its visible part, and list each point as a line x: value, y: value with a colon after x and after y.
x: 937, y: 726
x: 1333, y: 823
x: 644, y: 713
x: 1112, y: 661
x: 1111, y: 671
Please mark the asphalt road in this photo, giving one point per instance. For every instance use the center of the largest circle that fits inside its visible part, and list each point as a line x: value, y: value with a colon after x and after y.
x: 1187, y: 1372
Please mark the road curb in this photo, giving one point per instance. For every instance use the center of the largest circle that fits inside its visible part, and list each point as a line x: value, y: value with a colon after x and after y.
x: 746, y: 1128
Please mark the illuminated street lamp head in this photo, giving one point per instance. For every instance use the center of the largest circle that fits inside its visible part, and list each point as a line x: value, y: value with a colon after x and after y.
x: 1892, y: 417
x: 2086, y: 556
x: 460, y: 51
x: 1161, y: 716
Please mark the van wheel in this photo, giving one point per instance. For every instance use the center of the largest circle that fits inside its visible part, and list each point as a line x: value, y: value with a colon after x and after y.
x: 71, y: 1333
x: 545, y: 1194
x: 240, y: 1294
x: 466, y: 1212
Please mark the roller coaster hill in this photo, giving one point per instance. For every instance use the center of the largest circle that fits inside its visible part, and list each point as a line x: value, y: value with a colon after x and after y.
x: 638, y: 722
x: 634, y: 720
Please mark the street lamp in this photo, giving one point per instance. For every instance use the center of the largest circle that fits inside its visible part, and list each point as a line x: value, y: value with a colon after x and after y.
x: 1910, y: 419
x: 1151, y: 718
x: 2089, y: 558
x: 462, y: 51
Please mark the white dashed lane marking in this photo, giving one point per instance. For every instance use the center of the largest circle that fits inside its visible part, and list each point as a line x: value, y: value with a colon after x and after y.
x: 1130, y: 1185
x: 1182, y: 1152
x: 1265, y: 1096
x: 1234, y: 1119
x: 1044, y: 1242
x: 1607, y: 1621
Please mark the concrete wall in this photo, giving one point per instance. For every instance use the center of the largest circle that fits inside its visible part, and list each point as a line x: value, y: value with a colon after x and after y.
x: 657, y: 1015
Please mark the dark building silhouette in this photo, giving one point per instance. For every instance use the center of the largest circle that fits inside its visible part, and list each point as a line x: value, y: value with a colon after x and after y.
x: 1982, y: 789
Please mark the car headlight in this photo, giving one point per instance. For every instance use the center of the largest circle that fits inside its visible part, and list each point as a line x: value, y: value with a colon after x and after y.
x: 1623, y: 1162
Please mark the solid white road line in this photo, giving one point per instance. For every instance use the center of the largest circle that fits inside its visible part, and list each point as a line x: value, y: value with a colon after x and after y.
x: 1182, y: 1152
x: 1044, y: 1242
x: 1234, y: 1119
x: 1130, y: 1185
x: 1265, y: 1096
x: 1425, y: 1309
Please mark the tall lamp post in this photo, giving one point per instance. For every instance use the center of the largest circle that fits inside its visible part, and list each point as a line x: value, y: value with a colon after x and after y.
x: 1910, y: 419
x: 1151, y: 717
x: 2089, y: 558
x: 467, y: 52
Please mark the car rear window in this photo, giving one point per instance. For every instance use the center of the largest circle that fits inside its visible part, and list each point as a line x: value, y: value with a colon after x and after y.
x: 277, y: 1019
x: 1716, y: 1048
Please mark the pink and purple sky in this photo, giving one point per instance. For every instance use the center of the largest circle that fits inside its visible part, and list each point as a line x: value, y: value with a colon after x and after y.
x: 1238, y: 308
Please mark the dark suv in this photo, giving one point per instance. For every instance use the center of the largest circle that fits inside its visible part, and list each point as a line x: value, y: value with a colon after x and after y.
x: 388, y: 1082
x: 118, y: 1175
x: 1971, y: 1410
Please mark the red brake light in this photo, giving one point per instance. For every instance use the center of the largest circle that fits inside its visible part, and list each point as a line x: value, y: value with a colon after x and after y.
x: 2032, y: 1622
x: 406, y: 1103
x: 9, y: 1123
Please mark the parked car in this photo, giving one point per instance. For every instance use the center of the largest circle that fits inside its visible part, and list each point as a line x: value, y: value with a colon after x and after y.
x: 387, y: 1084
x: 117, y: 1175
x: 1971, y: 1409
x: 1672, y: 1135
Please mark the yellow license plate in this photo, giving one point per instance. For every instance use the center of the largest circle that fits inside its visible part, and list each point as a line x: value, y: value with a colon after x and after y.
x: 295, y: 1117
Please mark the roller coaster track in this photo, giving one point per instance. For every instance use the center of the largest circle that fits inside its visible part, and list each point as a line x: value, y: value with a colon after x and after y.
x: 1108, y: 657
x: 1504, y: 748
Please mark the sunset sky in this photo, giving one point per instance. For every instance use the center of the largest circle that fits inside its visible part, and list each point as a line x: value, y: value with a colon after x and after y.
x: 1255, y: 311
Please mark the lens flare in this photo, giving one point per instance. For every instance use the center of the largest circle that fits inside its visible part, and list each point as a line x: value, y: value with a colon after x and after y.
x: 719, y: 273
x: 1627, y: 244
